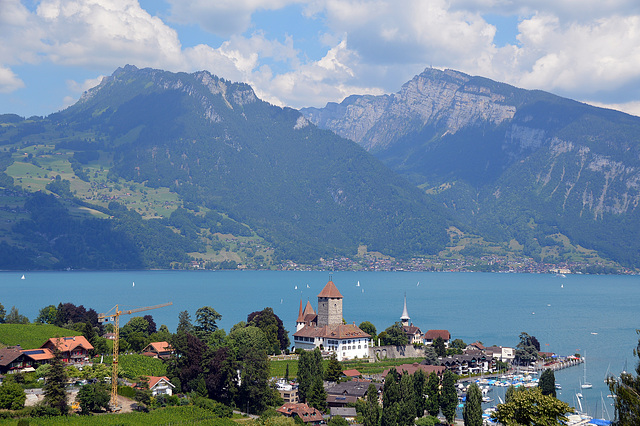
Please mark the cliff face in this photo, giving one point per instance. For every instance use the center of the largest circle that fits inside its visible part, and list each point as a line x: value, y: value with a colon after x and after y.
x: 523, y: 156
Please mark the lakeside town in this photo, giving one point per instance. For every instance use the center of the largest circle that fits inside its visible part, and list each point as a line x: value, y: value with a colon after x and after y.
x: 403, y: 348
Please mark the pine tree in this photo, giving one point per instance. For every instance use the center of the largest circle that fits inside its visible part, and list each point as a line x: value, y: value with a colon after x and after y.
x: 390, y: 399
x: 547, y: 383
x: 448, y: 396
x: 372, y: 411
x: 54, y: 393
x: 334, y: 369
x: 419, y: 383
x: 432, y: 403
x: 407, y: 404
x: 472, y: 412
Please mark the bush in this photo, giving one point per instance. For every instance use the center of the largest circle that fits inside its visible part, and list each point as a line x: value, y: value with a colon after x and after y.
x: 219, y: 409
x: 12, y: 396
x: 427, y: 421
x: 127, y: 391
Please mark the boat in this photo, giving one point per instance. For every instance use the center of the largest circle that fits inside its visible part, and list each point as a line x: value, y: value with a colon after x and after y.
x: 558, y: 386
x: 22, y: 277
x: 585, y: 384
x: 358, y: 285
x: 486, y: 399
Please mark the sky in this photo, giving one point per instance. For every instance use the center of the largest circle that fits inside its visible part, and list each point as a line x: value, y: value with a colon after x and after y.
x: 301, y: 53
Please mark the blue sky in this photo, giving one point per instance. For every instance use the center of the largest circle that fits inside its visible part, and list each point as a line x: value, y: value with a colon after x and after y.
x: 309, y: 52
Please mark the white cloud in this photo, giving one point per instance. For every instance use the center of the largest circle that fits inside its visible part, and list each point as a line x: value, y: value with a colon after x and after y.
x: 85, y: 85
x: 222, y: 17
x: 9, y: 82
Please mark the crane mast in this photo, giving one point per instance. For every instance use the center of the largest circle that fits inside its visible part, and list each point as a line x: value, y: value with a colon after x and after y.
x: 114, y: 315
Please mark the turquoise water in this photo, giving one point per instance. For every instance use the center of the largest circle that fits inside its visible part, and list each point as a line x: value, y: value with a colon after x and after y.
x: 563, y: 313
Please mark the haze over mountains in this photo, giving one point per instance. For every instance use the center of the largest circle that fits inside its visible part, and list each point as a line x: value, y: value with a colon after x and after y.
x: 525, y: 169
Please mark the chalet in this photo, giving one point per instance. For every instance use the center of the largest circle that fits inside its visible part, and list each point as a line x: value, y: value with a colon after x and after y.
x: 352, y: 373
x: 74, y: 349
x: 37, y: 357
x: 308, y: 415
x: 160, y: 386
x: 158, y: 350
x: 432, y: 335
x: 501, y: 353
x: 12, y: 359
x: 353, y: 388
x: 463, y: 365
x: 340, y: 400
x: 325, y: 329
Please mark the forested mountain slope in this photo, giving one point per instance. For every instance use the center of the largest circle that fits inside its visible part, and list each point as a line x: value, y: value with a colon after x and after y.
x: 223, y: 152
x: 512, y: 163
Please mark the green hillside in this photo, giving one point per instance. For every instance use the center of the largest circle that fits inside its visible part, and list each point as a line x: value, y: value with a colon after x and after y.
x: 30, y: 336
x: 153, y: 169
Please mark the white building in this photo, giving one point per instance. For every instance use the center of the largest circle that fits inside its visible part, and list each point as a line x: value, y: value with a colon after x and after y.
x: 325, y: 329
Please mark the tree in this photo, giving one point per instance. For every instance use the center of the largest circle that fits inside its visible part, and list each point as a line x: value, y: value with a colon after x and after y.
x: 334, y: 369
x: 390, y: 399
x: 371, y: 412
x: 419, y: 384
x: 309, y: 367
x: 221, y: 373
x: 472, y: 411
x: 440, y: 348
x: 152, y: 324
x: 135, y: 332
x: 2, y: 313
x: 395, y: 336
x: 184, y: 323
x: 547, y: 383
x: 531, y: 407
x: 626, y: 390
x: 430, y: 355
x: 448, y: 396
x: 527, y: 350
x: 93, y: 397
x: 407, y: 403
x: 272, y: 326
x: 368, y: 328
x: 54, y: 393
x: 317, y: 397
x: 12, y: 396
x: 206, y: 318
x: 432, y: 391
x: 458, y: 344
x: 47, y: 315
x: 14, y: 317
x: 337, y: 421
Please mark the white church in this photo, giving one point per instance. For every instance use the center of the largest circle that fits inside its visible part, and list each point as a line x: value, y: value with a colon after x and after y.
x: 325, y: 329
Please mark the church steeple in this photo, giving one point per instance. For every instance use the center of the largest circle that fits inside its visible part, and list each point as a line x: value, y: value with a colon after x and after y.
x: 405, y: 314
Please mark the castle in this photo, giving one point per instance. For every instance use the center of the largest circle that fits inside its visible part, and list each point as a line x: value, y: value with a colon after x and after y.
x: 325, y: 330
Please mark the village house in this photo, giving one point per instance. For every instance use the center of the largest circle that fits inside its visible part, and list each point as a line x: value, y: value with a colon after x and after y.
x: 287, y: 391
x: 347, y: 413
x: 463, y: 365
x: 74, y: 349
x: 432, y: 335
x: 160, y: 386
x: 158, y: 350
x: 12, y: 359
x: 308, y: 415
x: 501, y: 353
x: 325, y: 329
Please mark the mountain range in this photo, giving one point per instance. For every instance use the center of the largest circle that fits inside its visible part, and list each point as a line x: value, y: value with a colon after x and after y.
x: 507, y: 162
x: 153, y: 169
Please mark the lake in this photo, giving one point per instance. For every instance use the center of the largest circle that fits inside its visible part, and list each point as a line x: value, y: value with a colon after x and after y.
x: 592, y: 315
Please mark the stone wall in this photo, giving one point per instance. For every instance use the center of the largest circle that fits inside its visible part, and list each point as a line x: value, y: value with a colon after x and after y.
x: 394, y: 352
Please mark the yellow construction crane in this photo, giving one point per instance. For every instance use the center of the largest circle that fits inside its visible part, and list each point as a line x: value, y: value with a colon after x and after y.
x: 114, y: 315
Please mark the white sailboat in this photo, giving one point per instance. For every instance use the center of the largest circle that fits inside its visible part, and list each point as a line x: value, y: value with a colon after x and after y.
x: 585, y: 384
x: 358, y: 285
x: 22, y: 277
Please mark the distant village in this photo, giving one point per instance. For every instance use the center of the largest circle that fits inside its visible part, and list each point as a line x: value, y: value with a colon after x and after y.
x: 323, y: 329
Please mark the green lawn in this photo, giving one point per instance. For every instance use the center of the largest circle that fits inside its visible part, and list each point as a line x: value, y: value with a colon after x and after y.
x: 278, y: 368
x: 30, y: 336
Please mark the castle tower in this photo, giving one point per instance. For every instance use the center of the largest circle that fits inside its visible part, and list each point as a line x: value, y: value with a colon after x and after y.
x: 306, y: 316
x: 405, y: 314
x: 329, y: 305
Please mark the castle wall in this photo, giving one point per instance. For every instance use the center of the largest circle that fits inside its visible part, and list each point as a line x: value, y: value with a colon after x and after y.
x: 329, y: 311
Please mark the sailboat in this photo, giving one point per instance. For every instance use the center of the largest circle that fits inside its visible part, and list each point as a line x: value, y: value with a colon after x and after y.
x: 358, y: 285
x: 585, y: 384
x: 22, y: 277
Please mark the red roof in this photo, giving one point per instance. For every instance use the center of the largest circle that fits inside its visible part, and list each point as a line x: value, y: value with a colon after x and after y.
x: 40, y: 354
x: 434, y: 334
x: 159, y: 347
x: 67, y: 344
x: 154, y: 380
x: 331, y: 291
x: 302, y: 410
x: 351, y: 373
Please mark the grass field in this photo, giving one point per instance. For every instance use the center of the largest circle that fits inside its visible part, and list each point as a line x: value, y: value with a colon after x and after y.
x: 161, y: 416
x: 278, y: 368
x: 31, y: 336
